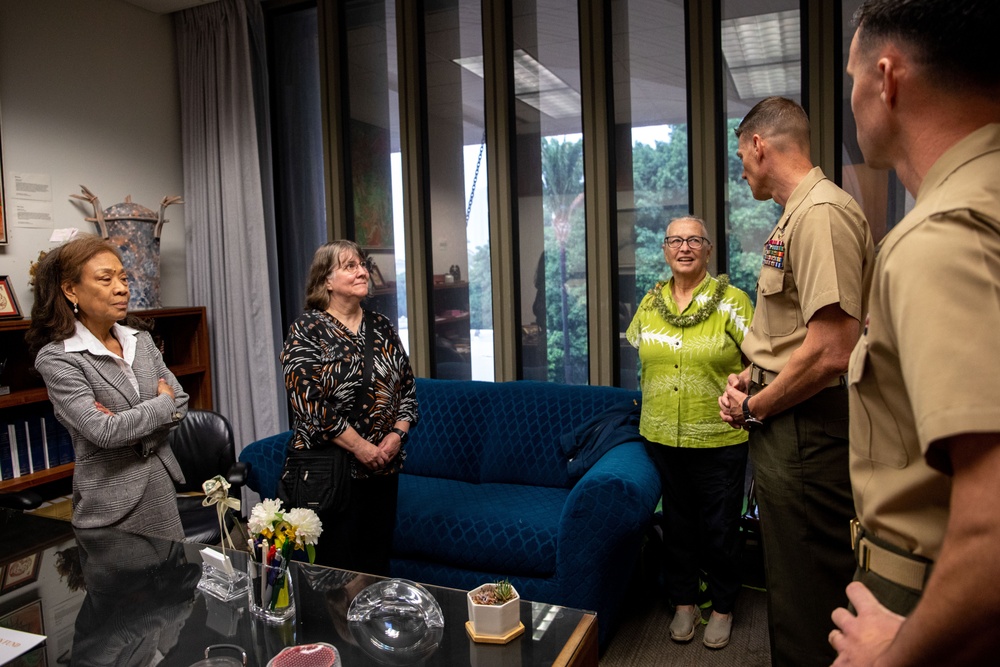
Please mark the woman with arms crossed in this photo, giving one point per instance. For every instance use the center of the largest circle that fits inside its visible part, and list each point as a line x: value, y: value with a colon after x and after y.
x: 109, y: 386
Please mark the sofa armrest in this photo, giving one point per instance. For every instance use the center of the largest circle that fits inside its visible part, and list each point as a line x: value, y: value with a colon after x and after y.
x: 602, y: 524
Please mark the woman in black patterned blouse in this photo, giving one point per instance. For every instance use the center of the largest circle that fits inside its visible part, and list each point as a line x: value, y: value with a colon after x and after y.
x: 323, y: 362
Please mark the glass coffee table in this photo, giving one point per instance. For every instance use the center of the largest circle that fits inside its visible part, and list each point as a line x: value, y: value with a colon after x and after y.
x: 104, y: 596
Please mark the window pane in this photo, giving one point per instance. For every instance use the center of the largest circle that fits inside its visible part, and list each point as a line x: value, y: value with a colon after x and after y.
x: 650, y: 89
x: 550, y: 190
x: 297, y: 140
x: 761, y: 57
x: 373, y: 148
x: 462, y: 299
x: 879, y: 193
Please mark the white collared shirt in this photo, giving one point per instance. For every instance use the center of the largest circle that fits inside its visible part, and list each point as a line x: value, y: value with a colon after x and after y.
x: 85, y: 341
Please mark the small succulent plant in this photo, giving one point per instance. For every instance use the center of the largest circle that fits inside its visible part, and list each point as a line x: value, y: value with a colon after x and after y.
x: 497, y: 593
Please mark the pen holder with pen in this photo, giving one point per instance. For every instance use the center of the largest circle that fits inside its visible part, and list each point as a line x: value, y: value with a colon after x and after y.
x: 271, y: 595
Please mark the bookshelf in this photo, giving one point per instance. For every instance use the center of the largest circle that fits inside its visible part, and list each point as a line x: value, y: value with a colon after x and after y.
x: 180, y: 333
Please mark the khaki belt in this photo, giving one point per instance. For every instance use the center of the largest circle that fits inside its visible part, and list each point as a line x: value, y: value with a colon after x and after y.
x: 906, y: 570
x: 760, y: 376
x: 763, y: 377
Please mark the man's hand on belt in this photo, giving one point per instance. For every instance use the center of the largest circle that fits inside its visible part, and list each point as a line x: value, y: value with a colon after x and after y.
x: 860, y: 639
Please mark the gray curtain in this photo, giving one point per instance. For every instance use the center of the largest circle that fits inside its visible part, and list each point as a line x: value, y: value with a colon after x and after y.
x: 231, y: 258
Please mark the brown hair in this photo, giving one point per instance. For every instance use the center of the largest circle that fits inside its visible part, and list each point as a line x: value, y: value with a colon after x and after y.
x: 326, y: 259
x: 52, y: 317
x: 774, y: 116
x: 952, y: 40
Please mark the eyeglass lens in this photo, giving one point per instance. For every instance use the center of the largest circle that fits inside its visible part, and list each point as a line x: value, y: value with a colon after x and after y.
x: 354, y: 265
x: 694, y: 242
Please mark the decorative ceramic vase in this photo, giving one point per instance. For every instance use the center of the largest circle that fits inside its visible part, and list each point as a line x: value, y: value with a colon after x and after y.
x: 494, y: 623
x: 135, y: 229
x: 271, y: 596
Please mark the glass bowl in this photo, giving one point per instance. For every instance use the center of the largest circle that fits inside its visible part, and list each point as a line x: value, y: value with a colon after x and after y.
x: 396, y: 621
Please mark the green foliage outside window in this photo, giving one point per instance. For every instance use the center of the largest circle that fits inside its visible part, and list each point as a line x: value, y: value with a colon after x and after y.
x: 660, y: 180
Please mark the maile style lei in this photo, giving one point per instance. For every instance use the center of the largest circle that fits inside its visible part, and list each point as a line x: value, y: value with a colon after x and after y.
x: 684, y: 321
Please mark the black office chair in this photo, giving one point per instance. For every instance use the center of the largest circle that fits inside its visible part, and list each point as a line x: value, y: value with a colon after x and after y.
x: 204, y: 447
x: 20, y: 500
x: 14, y: 504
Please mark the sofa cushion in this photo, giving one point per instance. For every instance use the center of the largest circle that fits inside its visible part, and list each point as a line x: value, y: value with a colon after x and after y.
x: 521, y: 438
x: 447, y: 440
x: 508, y: 528
x: 266, y: 458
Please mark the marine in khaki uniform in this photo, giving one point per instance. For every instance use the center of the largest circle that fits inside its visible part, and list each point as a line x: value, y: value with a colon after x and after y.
x: 925, y: 421
x: 816, y: 268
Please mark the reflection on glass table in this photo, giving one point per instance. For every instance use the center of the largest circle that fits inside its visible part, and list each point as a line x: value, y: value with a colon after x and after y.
x: 116, y: 598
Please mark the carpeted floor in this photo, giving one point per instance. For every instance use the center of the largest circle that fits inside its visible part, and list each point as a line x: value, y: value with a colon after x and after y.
x: 643, y: 640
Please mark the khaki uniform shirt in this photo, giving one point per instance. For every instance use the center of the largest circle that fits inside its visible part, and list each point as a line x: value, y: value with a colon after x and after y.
x: 926, y: 366
x: 819, y: 253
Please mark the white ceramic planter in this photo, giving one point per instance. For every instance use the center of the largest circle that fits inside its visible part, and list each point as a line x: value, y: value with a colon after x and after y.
x: 494, y: 620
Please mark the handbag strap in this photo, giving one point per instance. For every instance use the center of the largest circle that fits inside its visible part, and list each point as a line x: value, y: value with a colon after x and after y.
x: 366, y: 376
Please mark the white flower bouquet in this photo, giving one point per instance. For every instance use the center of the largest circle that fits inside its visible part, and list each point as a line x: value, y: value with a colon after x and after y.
x: 276, y: 536
x: 279, y: 533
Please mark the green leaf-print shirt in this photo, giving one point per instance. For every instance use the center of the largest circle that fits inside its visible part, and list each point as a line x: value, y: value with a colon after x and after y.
x: 684, y: 370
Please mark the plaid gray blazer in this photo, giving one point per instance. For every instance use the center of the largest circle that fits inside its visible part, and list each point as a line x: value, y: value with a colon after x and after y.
x: 112, y: 451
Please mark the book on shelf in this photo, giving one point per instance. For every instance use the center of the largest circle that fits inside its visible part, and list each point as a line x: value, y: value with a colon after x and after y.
x: 35, y: 442
x: 14, y: 449
x: 35, y: 437
x: 19, y: 446
x: 58, y: 441
x: 64, y: 441
x: 6, y: 460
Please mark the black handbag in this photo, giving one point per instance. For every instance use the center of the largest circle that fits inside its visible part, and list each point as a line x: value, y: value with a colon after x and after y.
x: 320, y: 479
x: 316, y: 479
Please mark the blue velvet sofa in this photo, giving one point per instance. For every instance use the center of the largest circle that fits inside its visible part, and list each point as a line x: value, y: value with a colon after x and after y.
x: 486, y: 493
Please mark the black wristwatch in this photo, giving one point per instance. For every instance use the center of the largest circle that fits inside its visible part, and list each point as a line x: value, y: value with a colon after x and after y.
x: 403, y: 435
x: 748, y: 419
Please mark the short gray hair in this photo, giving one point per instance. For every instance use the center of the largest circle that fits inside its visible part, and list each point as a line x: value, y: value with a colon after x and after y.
x: 704, y: 226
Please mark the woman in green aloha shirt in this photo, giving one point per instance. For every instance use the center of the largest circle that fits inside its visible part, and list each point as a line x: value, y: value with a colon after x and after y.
x: 688, y: 331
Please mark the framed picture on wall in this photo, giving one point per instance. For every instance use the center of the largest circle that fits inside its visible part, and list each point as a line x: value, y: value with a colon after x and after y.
x: 377, y: 280
x: 20, y: 572
x: 27, y: 619
x: 9, y: 308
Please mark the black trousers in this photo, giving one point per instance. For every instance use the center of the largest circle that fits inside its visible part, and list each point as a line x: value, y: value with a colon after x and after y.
x: 804, y: 496
x: 360, y: 537
x: 702, y: 502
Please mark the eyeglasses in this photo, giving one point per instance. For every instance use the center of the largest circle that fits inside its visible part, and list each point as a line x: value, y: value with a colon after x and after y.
x: 353, y: 266
x: 693, y: 242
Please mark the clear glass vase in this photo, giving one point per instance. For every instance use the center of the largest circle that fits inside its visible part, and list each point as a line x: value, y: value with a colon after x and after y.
x: 271, y: 594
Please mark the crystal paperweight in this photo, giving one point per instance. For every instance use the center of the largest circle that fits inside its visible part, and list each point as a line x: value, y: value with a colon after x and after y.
x: 396, y: 621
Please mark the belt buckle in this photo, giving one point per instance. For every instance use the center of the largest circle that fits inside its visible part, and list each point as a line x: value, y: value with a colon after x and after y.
x: 862, y: 554
x: 856, y: 531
